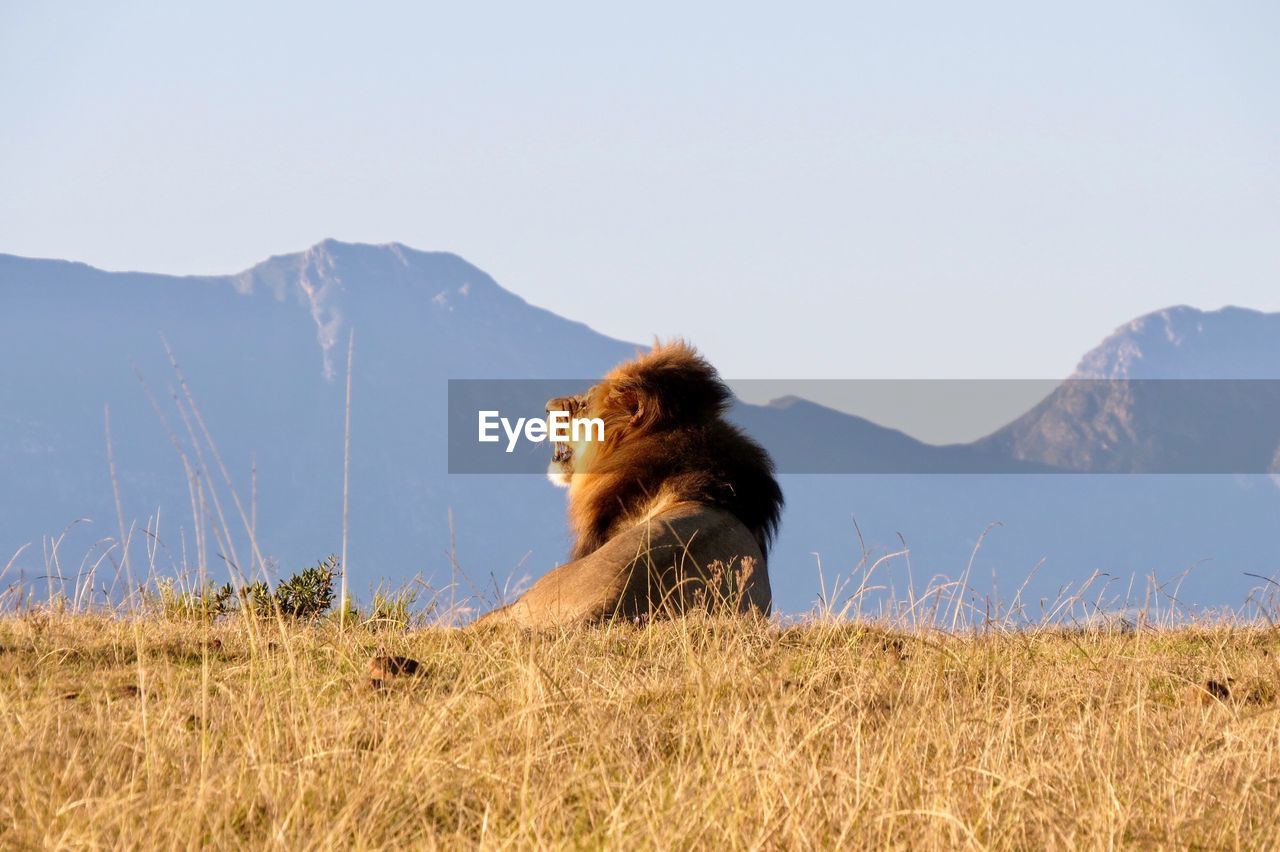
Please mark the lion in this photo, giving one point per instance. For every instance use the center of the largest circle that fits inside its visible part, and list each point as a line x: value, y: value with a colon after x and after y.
x: 674, y: 510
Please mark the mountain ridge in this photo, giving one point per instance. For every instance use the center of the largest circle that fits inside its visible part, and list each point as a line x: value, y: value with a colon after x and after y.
x: 1178, y: 390
x: 262, y: 361
x: 1178, y: 333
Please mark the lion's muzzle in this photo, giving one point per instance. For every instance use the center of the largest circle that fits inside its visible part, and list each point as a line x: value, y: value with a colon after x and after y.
x: 562, y: 452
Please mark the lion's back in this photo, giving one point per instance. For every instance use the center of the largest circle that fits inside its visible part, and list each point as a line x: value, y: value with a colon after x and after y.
x: 690, y: 556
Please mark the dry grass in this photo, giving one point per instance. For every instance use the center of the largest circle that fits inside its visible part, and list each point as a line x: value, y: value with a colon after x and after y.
x: 696, y: 733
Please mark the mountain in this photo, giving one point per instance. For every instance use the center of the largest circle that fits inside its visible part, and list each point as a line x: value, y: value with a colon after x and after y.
x: 1185, y: 343
x: 263, y: 355
x: 836, y: 442
x: 1175, y: 391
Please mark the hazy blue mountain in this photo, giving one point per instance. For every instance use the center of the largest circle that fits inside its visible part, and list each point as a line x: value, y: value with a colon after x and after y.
x: 1060, y: 529
x: 1178, y: 390
x: 807, y: 438
x: 264, y: 354
x: 1186, y: 343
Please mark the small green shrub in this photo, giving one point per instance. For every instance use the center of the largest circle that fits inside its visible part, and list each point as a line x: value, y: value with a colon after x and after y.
x: 204, y: 604
x: 392, y: 610
x: 256, y: 598
x: 309, y: 593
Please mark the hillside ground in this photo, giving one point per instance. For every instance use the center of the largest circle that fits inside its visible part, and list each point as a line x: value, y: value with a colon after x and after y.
x: 118, y: 732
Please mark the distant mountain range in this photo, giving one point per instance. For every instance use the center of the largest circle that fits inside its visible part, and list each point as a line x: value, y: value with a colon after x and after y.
x: 1179, y: 390
x: 264, y: 355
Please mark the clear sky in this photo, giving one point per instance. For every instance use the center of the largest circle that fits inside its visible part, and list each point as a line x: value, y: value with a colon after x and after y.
x: 839, y: 190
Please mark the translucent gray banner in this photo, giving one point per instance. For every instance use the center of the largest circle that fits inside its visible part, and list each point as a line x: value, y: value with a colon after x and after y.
x: 1167, y: 426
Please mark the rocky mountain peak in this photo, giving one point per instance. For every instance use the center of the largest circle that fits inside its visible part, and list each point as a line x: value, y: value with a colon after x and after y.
x: 1183, y: 342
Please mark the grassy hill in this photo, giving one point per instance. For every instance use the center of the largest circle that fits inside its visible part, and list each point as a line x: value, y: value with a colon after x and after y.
x: 162, y: 732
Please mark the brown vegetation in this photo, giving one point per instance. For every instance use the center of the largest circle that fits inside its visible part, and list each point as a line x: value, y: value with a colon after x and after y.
x: 684, y: 733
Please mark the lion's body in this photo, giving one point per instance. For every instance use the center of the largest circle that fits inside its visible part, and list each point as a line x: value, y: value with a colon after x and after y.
x: 690, y: 556
x: 675, y: 509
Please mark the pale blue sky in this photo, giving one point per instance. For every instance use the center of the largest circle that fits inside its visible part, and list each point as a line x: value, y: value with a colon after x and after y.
x: 871, y: 190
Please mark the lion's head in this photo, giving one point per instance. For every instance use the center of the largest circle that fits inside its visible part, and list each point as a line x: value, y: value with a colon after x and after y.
x: 568, y: 457
x: 665, y: 442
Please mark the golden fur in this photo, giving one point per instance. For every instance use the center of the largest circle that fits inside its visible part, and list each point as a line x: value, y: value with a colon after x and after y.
x: 676, y: 507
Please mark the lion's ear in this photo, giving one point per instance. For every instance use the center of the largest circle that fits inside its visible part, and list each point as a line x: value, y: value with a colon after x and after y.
x: 637, y: 400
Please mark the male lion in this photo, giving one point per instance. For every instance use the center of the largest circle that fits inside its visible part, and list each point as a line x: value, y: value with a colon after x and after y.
x: 674, y: 509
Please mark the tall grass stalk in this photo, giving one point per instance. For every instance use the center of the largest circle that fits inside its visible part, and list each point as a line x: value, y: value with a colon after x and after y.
x: 346, y: 477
